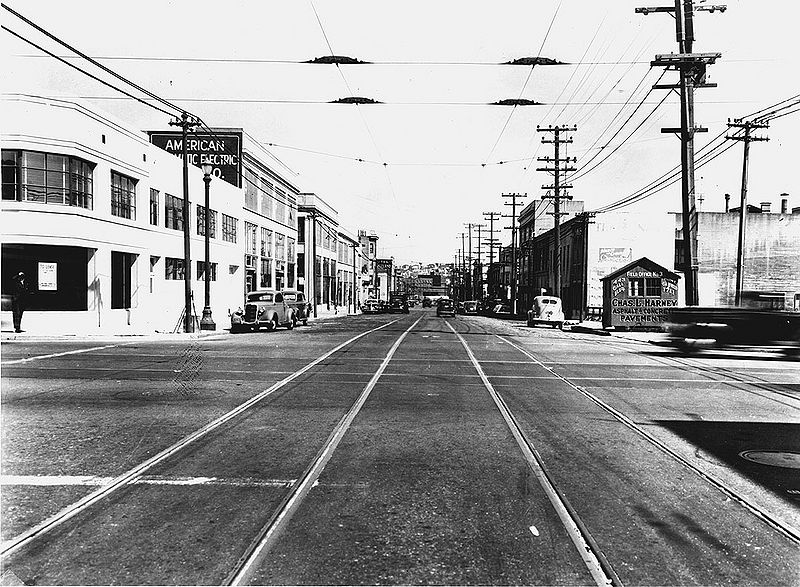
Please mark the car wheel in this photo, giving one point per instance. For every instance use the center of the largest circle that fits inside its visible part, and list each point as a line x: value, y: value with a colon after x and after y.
x: 273, y: 324
x: 305, y: 321
x: 292, y: 323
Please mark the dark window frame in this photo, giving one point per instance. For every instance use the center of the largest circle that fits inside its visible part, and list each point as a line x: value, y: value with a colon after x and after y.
x: 123, y: 195
x: 76, y: 179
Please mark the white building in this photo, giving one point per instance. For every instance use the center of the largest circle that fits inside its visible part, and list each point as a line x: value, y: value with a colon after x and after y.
x: 92, y: 212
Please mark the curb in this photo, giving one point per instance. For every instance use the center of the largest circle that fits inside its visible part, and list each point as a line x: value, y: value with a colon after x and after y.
x: 587, y: 330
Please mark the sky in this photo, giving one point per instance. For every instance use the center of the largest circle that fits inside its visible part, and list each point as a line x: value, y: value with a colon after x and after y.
x: 436, y: 155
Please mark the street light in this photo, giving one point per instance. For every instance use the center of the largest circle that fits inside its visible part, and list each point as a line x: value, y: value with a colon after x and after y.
x: 207, y: 322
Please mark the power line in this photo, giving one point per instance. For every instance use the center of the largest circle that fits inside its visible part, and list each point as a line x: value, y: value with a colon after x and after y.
x: 527, y: 79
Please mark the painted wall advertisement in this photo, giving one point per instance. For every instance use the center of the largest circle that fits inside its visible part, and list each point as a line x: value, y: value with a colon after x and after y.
x: 640, y: 297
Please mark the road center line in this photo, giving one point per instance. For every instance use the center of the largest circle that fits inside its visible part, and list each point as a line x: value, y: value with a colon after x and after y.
x: 65, y: 353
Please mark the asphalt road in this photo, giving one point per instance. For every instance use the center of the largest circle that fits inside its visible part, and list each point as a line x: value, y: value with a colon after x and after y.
x: 398, y: 449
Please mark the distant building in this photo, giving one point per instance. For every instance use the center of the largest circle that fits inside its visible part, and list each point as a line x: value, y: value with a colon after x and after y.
x: 368, y: 242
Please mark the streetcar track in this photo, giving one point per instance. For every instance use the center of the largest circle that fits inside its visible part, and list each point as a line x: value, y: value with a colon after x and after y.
x: 596, y: 563
x: 784, y: 528
x: 245, y: 566
x: 125, y: 479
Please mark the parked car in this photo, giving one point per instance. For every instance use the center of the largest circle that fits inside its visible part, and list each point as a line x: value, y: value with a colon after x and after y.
x: 398, y: 303
x: 470, y: 307
x: 297, y: 300
x: 445, y: 307
x: 546, y: 310
x: 371, y: 306
x: 265, y: 307
x: 426, y: 302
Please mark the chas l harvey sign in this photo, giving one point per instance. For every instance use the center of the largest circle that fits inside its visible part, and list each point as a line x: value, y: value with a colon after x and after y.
x: 223, y: 149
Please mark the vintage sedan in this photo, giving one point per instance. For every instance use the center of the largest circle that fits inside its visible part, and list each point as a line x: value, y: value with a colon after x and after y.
x: 470, y: 307
x: 264, y: 307
x: 546, y: 310
x: 445, y: 307
x: 371, y: 306
x: 297, y: 300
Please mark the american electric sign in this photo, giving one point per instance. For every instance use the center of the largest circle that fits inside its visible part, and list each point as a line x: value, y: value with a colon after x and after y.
x: 222, y: 149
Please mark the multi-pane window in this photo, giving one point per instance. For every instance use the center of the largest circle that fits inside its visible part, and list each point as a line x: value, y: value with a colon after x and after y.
x: 280, y: 246
x: 123, y: 196
x: 228, y: 228
x: 266, y: 258
x: 201, y: 271
x: 250, y: 238
x: 173, y: 212
x: 201, y: 222
x: 173, y: 268
x: 250, y: 190
x: 290, y: 264
x: 266, y: 197
x: 644, y: 287
x: 47, y: 178
x: 280, y: 205
x: 301, y: 230
x: 266, y: 272
x: 153, y: 207
x: 266, y: 242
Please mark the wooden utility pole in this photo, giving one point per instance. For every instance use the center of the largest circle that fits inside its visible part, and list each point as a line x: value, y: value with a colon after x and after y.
x: 513, y: 228
x: 491, y: 241
x: 554, y: 190
x: 468, y: 284
x: 692, y: 71
x: 479, y: 284
x: 746, y: 138
x: 587, y: 218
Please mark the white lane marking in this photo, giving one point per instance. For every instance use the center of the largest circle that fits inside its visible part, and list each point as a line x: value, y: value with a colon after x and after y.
x: 311, y: 478
x: 534, y: 460
x: 92, y: 480
x: 65, y: 353
x: 80, y: 505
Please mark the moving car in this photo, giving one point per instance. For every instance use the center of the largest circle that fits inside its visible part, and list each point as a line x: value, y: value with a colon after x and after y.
x: 398, y: 303
x: 264, y: 307
x: 297, y: 300
x: 445, y: 307
x: 546, y: 310
x: 371, y: 306
x: 426, y: 302
x: 470, y: 307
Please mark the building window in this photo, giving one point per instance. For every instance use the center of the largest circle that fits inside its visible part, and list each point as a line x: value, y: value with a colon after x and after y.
x: 301, y: 230
x: 266, y: 242
x: 250, y: 190
x: 280, y: 246
x: 250, y: 238
x: 290, y: 253
x: 201, y: 222
x: 229, y: 228
x: 173, y: 268
x: 266, y: 272
x: 644, y: 287
x: 47, y: 178
x: 153, y: 207
x: 201, y: 271
x: 123, y: 196
x: 280, y: 205
x: 173, y: 212
x: 266, y: 197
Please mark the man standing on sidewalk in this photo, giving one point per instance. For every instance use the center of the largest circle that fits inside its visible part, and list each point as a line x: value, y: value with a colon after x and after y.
x: 19, y: 294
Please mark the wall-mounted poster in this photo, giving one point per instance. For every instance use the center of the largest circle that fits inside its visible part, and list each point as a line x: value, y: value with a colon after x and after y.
x: 48, y: 276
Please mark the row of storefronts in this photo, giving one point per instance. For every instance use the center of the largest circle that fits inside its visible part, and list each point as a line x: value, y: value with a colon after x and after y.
x: 93, y: 214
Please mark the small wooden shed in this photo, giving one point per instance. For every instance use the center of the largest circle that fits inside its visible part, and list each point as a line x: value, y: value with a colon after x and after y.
x: 639, y: 295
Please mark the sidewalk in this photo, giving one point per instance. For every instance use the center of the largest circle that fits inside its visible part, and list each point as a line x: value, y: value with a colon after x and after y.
x: 595, y: 327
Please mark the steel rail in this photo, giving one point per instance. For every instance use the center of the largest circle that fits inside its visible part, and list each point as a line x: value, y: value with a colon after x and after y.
x: 131, y: 475
x: 786, y: 529
x: 247, y: 563
x: 598, y: 566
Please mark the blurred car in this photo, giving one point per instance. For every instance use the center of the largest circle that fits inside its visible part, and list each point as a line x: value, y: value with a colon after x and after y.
x: 445, y: 307
x: 546, y: 310
x: 398, y: 303
x: 426, y: 302
x: 265, y: 307
x: 371, y: 306
x: 500, y: 309
x: 297, y: 300
x: 471, y: 307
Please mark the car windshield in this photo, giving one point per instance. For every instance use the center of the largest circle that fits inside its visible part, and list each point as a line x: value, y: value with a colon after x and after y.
x: 260, y: 297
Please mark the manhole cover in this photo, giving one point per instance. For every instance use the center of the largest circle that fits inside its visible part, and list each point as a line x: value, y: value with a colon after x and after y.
x: 774, y: 458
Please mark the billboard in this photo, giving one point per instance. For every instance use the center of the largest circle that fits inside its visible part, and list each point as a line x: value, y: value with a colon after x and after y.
x: 383, y: 266
x: 222, y: 148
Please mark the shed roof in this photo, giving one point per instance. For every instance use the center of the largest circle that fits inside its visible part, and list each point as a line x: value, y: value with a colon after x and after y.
x: 645, y: 263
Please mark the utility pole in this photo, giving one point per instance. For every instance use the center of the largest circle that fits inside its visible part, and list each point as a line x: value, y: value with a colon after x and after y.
x: 587, y: 218
x: 556, y: 188
x: 463, y: 266
x: 355, y: 286
x: 491, y: 241
x: 513, y: 228
x: 746, y: 138
x: 469, y: 285
x: 188, y: 318
x: 479, y: 285
x: 692, y: 71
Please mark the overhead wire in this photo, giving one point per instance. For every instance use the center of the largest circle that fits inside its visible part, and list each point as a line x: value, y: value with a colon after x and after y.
x: 525, y: 85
